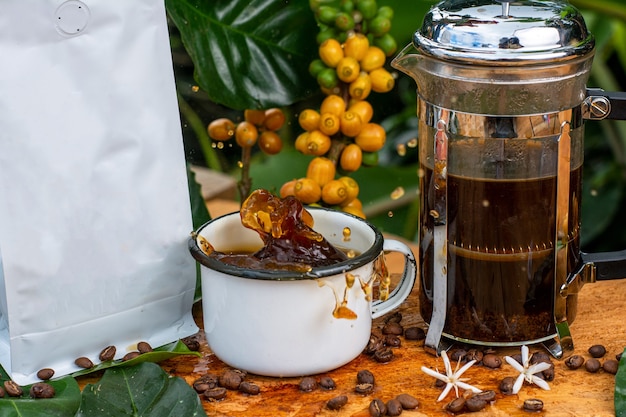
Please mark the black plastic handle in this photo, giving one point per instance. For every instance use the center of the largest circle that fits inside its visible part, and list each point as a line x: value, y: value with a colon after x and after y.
x: 617, y: 100
x: 609, y: 265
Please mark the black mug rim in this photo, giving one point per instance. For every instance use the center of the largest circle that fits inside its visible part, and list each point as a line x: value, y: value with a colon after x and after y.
x: 364, y: 258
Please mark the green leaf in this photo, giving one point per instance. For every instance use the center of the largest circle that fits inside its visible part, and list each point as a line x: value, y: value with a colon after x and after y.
x: 619, y: 398
x: 159, y: 354
x: 65, y: 403
x: 249, y: 54
x: 142, y: 390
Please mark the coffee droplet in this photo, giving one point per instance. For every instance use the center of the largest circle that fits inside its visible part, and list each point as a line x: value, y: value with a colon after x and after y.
x: 397, y: 193
x: 346, y: 234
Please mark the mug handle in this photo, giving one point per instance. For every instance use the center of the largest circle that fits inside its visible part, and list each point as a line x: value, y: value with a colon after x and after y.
x: 405, y: 286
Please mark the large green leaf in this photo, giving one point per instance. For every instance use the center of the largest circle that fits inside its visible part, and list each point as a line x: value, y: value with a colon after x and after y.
x: 142, y: 390
x: 64, y: 404
x: 619, y: 397
x: 249, y: 54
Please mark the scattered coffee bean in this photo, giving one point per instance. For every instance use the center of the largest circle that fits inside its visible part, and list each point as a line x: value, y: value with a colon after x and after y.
x: 474, y: 355
x: 396, y: 317
x: 517, y: 357
x: 45, y: 374
x: 492, y: 361
x: 365, y: 376
x: 408, y: 401
x: 130, y: 355
x: 414, y: 333
x: 13, y: 389
x: 364, y: 388
x: 249, y: 388
x: 533, y: 404
x: 539, y: 357
x: 192, y: 343
x: 610, y: 366
x: 307, y: 384
x: 548, y: 374
x: 475, y: 403
x: 488, y: 396
x: 377, y: 408
x: 230, y: 379
x: 574, y: 361
x: 597, y: 351
x: 458, y: 355
x: 327, y: 383
x: 41, y: 390
x: 393, y: 328
x: 374, y: 344
x: 337, y: 403
x: 205, y: 382
x: 392, y: 341
x: 506, y: 385
x: 144, y: 347
x: 394, y: 407
x: 383, y: 355
x: 107, y: 354
x: 592, y: 365
x: 456, y: 406
x: 439, y: 383
x: 84, y: 362
x: 215, y: 394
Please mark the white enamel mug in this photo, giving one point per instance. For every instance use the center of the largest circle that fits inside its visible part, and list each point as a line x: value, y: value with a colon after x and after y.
x: 281, y: 323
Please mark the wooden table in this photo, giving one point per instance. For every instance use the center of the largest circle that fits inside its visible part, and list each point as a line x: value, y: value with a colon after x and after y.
x: 600, y: 320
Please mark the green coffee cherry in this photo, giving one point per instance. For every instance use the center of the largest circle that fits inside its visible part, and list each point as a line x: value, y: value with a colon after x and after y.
x: 327, y: 15
x: 385, y: 11
x: 316, y: 66
x: 344, y: 21
x: 368, y: 8
x: 379, y: 25
x: 325, y: 34
x: 370, y: 159
x: 347, y: 6
x: 327, y: 78
x: 387, y: 43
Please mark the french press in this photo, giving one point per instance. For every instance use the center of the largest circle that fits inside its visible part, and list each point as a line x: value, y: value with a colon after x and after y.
x: 502, y: 102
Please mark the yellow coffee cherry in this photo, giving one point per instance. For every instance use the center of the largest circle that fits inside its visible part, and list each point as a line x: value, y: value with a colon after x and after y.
x: 256, y: 117
x: 270, y: 142
x: 221, y: 129
x: 274, y: 119
x: 317, y: 143
x: 301, y: 143
x: 246, y: 134
x: 330, y: 52
x: 356, y: 46
x: 287, y: 189
x: 333, y: 104
x: 382, y: 80
x: 351, y: 124
x: 351, y: 158
x: 322, y: 170
x: 374, y: 58
x: 309, y: 119
x: 363, y: 108
x: 354, y: 211
x: 353, y: 191
x: 361, y: 87
x: 355, y: 202
x: 372, y: 137
x: 307, y: 191
x: 334, y: 192
x: 329, y: 124
x: 348, y: 69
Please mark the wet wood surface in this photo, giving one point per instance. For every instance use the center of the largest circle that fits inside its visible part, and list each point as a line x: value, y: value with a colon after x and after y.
x: 600, y: 320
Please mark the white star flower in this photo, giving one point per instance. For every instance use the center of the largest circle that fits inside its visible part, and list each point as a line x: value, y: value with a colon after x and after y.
x: 527, y: 371
x: 452, y: 379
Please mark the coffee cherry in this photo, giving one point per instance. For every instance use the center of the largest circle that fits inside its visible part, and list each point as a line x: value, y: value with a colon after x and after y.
x: 374, y: 58
x: 322, y: 170
x: 316, y: 66
x: 270, y: 143
x: 352, y: 187
x: 382, y: 80
x: 274, y: 119
x: 348, y: 69
x: 327, y: 78
x: 379, y: 26
x: 351, y: 158
x: 327, y: 14
x: 351, y: 124
x: 256, y: 117
x: 221, y: 129
x: 334, y: 192
x: 372, y: 137
x: 301, y: 143
x: 317, y: 143
x: 307, y: 191
x: 387, y: 43
x: 246, y: 134
x: 287, y: 189
x: 330, y: 52
x: 344, y: 21
x: 367, y: 7
x: 356, y: 46
x: 329, y: 124
x: 333, y: 104
x: 361, y: 87
x: 363, y: 108
x: 309, y: 119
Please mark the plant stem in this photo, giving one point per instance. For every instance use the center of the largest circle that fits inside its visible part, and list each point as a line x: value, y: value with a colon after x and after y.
x: 198, y: 127
x: 245, y: 183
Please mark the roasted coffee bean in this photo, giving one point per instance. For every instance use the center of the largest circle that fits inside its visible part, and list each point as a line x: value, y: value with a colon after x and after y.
x: 144, y: 347
x: 249, y: 388
x: 414, y: 333
x: 130, y: 355
x: 230, y: 379
x: 84, y: 362
x: 365, y: 376
x: 506, y: 385
x: 533, y: 404
x: 539, y: 357
x: 107, y: 354
x: 574, y: 361
x: 364, y: 388
x: 517, y: 357
x: 41, y: 390
x: 377, y: 408
x: 396, y: 317
x: 392, y: 340
x: 456, y: 406
x: 13, y: 389
x: 488, y: 396
x: 492, y: 361
x: 610, y: 366
x: 597, y: 351
x: 548, y: 374
x: 192, y: 343
x: 337, y: 403
x: 408, y: 401
x: 215, y: 394
x: 393, y: 328
x: 45, y: 374
x: 592, y: 365
x: 205, y: 382
x: 327, y: 383
x: 375, y: 343
x: 307, y: 384
x: 394, y: 407
x: 384, y: 355
x: 475, y: 403
x: 474, y: 355
x: 439, y: 383
x: 458, y: 355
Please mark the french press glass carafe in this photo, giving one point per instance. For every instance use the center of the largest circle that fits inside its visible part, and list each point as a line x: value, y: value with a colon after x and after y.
x: 502, y: 101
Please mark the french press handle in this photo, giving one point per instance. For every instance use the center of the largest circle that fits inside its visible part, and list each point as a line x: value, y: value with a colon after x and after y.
x: 600, y: 104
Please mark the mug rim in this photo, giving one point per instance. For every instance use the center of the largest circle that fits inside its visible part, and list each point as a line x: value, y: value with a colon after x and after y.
x: 279, y: 275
